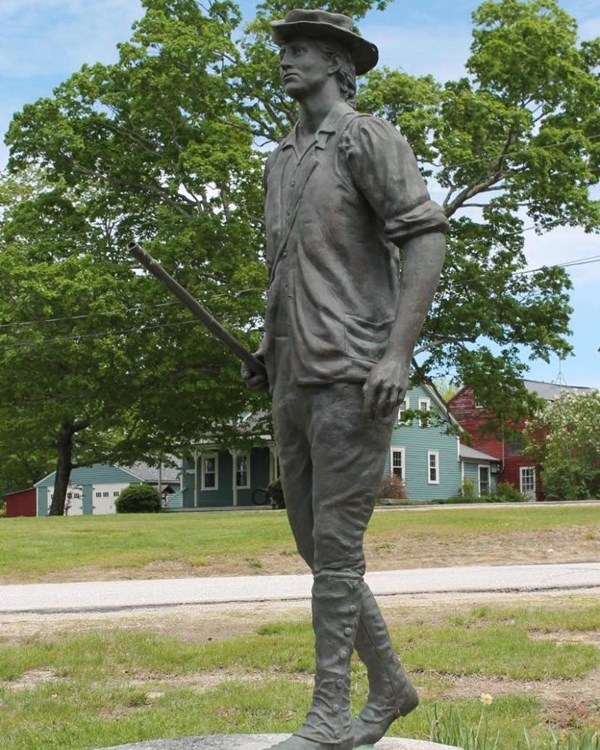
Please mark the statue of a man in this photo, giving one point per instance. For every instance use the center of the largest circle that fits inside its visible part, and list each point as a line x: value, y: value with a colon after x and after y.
x: 344, y: 199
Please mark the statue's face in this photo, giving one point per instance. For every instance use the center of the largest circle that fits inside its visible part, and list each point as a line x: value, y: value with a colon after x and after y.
x: 303, y: 68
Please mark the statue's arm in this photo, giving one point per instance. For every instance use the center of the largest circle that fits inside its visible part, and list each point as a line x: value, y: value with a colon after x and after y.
x: 386, y: 385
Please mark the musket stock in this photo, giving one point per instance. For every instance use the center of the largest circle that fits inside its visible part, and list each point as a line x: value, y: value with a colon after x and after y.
x: 199, y: 312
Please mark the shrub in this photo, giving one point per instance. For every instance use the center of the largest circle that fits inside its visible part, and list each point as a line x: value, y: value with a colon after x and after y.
x: 138, y: 498
x: 392, y: 488
x: 467, y: 490
x: 276, y: 495
x: 507, y: 493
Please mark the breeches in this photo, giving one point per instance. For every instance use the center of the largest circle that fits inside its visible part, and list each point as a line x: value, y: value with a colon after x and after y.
x: 332, y: 457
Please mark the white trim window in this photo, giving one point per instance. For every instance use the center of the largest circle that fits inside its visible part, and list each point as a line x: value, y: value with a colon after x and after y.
x: 404, y: 406
x: 484, y: 480
x: 433, y: 467
x: 398, y: 463
x: 242, y: 471
x: 424, y: 405
x: 527, y: 480
x: 210, y: 471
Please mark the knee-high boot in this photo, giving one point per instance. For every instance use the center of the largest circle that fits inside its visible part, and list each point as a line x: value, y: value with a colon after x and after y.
x: 336, y: 598
x: 390, y: 693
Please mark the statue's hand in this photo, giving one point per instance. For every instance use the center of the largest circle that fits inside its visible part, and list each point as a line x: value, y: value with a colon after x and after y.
x: 385, y: 387
x: 255, y: 381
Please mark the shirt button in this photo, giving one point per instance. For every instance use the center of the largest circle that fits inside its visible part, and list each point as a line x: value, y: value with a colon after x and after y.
x: 293, y: 183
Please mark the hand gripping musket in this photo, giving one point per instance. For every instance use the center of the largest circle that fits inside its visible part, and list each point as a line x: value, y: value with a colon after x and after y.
x: 207, y: 320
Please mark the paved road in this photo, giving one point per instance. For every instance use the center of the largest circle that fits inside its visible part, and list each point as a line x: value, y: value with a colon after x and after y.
x: 111, y: 596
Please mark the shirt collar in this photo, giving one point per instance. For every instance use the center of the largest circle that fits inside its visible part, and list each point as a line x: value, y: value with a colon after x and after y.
x: 327, y: 127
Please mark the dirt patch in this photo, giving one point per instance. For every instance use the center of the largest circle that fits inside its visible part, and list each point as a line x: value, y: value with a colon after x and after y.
x: 565, y: 702
x: 30, y: 680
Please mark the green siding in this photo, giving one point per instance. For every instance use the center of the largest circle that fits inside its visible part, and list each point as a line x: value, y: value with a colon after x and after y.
x: 471, y: 472
x: 86, y: 476
x: 223, y: 495
x: 417, y: 441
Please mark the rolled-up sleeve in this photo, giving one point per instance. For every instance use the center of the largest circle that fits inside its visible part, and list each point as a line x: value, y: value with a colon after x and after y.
x: 384, y: 169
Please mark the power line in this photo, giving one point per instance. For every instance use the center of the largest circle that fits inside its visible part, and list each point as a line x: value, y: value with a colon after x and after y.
x: 116, y: 332
x: 135, y: 308
x: 143, y: 329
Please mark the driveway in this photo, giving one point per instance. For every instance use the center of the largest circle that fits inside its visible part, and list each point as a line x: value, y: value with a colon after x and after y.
x: 113, y: 596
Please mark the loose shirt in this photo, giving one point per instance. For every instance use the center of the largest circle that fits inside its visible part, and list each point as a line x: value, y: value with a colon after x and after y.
x: 336, y: 214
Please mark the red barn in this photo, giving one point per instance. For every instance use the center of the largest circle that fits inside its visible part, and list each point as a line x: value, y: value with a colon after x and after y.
x: 516, y: 467
x: 21, y: 503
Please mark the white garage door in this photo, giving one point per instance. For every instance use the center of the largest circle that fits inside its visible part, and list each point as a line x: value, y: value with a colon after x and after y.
x: 73, y: 501
x: 104, y: 496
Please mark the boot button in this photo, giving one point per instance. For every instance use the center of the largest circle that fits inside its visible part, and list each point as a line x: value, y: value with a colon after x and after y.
x: 347, y: 631
x: 352, y: 608
x: 339, y: 683
x: 343, y: 653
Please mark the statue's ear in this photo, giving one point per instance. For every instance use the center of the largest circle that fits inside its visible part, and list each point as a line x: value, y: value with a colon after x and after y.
x: 335, y: 63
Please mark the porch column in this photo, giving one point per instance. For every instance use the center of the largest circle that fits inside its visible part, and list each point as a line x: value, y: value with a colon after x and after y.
x: 234, y: 477
x: 196, y: 487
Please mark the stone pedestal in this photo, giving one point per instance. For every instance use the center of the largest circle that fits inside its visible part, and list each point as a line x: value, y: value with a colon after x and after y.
x: 260, y: 742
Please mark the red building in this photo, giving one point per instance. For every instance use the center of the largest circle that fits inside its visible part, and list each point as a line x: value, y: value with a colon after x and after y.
x: 516, y: 467
x: 21, y: 503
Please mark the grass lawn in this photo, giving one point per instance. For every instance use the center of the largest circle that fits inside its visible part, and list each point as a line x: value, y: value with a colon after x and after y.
x: 241, y: 543
x: 509, y: 676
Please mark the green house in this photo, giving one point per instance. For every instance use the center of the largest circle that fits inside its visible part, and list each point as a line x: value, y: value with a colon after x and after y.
x: 424, y: 455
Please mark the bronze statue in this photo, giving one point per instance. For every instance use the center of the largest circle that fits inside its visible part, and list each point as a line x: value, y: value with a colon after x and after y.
x: 343, y: 196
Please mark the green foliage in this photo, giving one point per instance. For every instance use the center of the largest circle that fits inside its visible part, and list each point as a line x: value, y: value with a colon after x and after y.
x: 507, y: 493
x: 167, y: 145
x: 275, y: 494
x: 138, y: 498
x: 564, y: 438
x: 467, y: 489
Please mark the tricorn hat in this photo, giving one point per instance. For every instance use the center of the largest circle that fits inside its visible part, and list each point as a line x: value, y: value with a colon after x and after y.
x: 320, y: 24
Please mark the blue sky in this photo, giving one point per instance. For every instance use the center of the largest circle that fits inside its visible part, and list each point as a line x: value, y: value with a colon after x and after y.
x: 43, y: 41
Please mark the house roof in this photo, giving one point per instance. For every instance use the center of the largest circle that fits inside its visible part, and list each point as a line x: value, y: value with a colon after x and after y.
x: 470, y: 453
x: 147, y: 473
x: 552, y: 391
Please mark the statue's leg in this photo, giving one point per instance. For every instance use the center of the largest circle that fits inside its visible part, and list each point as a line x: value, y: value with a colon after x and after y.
x: 348, y: 485
x: 335, y: 610
x: 330, y: 484
x: 390, y: 693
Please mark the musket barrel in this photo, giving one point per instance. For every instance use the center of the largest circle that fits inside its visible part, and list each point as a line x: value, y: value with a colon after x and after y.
x: 199, y: 312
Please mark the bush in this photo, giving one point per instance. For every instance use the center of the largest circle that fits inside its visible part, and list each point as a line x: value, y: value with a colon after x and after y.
x: 138, y: 498
x: 276, y: 496
x: 570, y: 480
x: 467, y: 490
x: 507, y: 493
x: 392, y: 488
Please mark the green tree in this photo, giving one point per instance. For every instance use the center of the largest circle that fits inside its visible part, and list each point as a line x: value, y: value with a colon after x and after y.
x: 168, y: 143
x: 565, y: 439
x: 149, y: 147
x: 515, y: 145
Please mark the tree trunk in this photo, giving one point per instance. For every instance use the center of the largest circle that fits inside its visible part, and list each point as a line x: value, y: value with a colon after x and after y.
x: 64, y: 464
